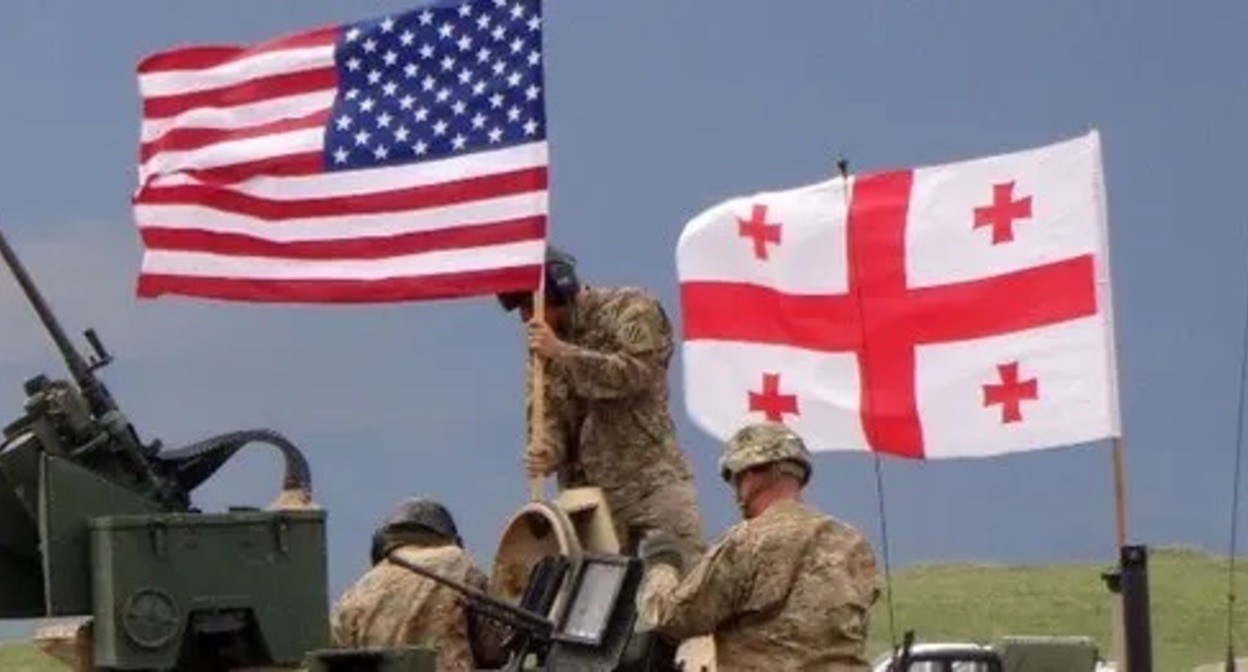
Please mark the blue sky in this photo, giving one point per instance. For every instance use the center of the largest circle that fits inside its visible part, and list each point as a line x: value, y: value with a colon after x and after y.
x: 657, y: 110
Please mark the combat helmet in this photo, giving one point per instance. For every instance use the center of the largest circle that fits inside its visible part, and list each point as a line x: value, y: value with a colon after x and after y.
x: 422, y: 513
x: 764, y: 443
x: 561, y: 285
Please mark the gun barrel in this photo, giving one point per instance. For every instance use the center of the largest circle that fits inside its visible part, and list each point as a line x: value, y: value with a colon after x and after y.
x: 77, y: 365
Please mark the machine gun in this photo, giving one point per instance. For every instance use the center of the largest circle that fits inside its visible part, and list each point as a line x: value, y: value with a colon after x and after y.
x: 592, y: 631
x: 95, y: 522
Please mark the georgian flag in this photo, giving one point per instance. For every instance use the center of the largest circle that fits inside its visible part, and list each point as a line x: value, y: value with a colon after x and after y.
x: 960, y: 310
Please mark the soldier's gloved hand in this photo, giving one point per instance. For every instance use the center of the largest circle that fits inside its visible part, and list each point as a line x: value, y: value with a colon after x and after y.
x: 543, y: 341
x: 660, y: 546
x: 538, y: 462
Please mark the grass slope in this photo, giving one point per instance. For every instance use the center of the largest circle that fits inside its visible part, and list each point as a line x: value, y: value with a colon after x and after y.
x: 984, y: 602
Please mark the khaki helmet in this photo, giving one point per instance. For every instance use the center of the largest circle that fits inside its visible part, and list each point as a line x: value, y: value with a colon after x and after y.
x: 764, y: 443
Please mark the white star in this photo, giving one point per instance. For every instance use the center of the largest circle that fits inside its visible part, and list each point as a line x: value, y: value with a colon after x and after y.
x: 465, y: 76
x: 426, y: 50
x: 496, y: 100
x: 465, y: 10
x: 387, y: 25
x: 498, y: 33
x: 406, y: 102
x: 353, y: 34
x: 439, y: 127
x: 478, y: 121
x: 478, y: 87
x: 513, y: 114
x: 344, y: 122
x: 530, y: 127
x: 458, y: 141
x: 340, y: 155
x: 499, y: 67
x: 390, y: 88
x: 483, y: 22
x: 517, y: 11
x: 422, y: 114
x: 516, y: 45
x: 446, y: 31
x: 531, y: 92
x: 458, y: 108
x: 353, y: 94
x: 483, y: 55
x: 400, y: 134
x: 407, y: 38
x: 362, y: 137
x: 426, y: 17
x: 428, y: 83
x: 514, y: 79
x: 370, y: 46
x: 496, y: 134
x: 384, y: 119
x: 410, y: 70
x: 374, y: 77
x: 420, y: 147
x: 443, y: 94
x: 367, y: 104
x: 535, y: 57
x: 390, y: 58
x: 500, y: 3
x: 464, y: 43
x: 381, y: 152
x: 535, y: 22
x: 353, y: 64
x: 448, y: 63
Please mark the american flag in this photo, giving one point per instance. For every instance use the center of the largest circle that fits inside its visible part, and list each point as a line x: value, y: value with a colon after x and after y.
x: 398, y: 158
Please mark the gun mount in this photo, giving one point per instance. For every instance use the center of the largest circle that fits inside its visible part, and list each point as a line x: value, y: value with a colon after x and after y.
x: 96, y: 523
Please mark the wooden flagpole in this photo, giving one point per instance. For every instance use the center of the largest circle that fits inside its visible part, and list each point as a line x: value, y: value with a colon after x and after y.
x: 537, y: 416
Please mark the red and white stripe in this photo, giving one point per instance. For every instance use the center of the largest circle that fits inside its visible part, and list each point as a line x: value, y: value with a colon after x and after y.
x: 234, y: 202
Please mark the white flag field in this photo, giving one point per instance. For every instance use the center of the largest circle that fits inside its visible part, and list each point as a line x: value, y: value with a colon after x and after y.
x: 950, y: 311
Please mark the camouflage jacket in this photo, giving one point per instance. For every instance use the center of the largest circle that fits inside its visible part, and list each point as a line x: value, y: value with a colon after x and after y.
x: 790, y: 589
x: 607, y: 419
x: 392, y: 606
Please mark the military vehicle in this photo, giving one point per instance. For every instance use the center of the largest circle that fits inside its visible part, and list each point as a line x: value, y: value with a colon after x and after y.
x: 1011, y: 654
x: 98, y: 526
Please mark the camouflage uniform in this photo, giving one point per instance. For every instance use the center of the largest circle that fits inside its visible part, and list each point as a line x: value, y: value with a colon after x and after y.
x: 607, y: 420
x: 391, y: 606
x: 790, y: 589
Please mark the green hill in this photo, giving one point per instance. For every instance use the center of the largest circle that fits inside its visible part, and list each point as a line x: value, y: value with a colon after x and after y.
x: 984, y: 602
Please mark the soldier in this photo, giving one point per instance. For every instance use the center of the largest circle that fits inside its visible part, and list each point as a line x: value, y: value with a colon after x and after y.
x: 787, y: 588
x: 391, y: 606
x: 607, y: 422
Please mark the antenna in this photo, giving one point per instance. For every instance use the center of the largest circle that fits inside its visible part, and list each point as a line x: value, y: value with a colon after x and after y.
x: 842, y: 166
x: 1235, y: 479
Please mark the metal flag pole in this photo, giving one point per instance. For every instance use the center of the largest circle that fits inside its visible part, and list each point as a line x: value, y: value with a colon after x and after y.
x: 842, y: 166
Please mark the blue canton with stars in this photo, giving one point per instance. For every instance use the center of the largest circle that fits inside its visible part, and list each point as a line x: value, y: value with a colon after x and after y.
x: 444, y: 80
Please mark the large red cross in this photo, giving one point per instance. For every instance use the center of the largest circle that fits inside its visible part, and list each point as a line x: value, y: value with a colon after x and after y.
x: 758, y: 229
x: 894, y: 317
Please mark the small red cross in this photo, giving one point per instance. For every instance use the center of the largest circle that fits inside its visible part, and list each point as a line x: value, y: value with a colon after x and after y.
x: 756, y: 227
x: 1002, y: 213
x: 770, y: 402
x: 1010, y: 392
